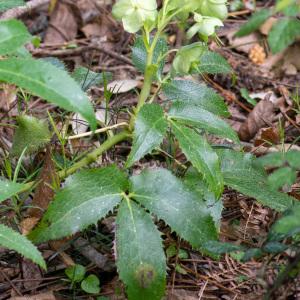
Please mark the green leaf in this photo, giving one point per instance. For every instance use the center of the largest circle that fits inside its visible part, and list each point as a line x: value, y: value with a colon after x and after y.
x: 139, y: 54
x: 245, y: 94
x: 91, y: 284
x: 140, y: 257
x: 288, y: 224
x: 150, y: 128
x: 87, y: 197
x: 48, y: 82
x: 9, y: 188
x: 201, y: 155
x: 87, y: 78
x: 218, y: 248
x: 194, y: 180
x: 252, y: 253
x: 195, y: 93
x: 173, y: 201
x: 281, y: 177
x: 195, y: 115
x: 213, y: 63
x: 8, y: 4
x: 275, y: 159
x: 31, y: 133
x: 274, y: 247
x: 240, y: 174
x: 14, y: 241
x: 283, y: 34
x: 256, y: 20
x: 75, y: 273
x: 293, y: 158
x: 13, y: 35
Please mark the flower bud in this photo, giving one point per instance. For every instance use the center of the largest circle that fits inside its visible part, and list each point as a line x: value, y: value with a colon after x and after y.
x: 204, y: 26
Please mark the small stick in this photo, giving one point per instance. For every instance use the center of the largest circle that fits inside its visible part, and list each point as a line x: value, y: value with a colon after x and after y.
x: 22, y: 10
x: 78, y: 136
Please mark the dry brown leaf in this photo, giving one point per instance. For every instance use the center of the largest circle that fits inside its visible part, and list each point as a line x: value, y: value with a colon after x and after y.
x: 261, y: 116
x: 267, y: 26
x: 62, y: 26
x: 31, y: 271
x: 122, y: 86
x: 44, y: 191
x: 267, y: 137
x: 180, y: 294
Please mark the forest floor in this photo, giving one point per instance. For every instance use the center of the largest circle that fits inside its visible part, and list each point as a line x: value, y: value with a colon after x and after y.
x: 84, y: 33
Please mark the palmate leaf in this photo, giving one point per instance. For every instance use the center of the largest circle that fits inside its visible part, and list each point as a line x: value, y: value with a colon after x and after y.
x: 48, y: 82
x: 195, y: 115
x: 31, y: 133
x: 9, y: 188
x: 140, y: 257
x: 13, y: 240
x: 183, y: 209
x: 240, y: 174
x: 283, y: 33
x: 201, y: 155
x: 213, y: 63
x: 150, y: 128
x: 197, y: 94
x: 13, y: 35
x: 87, y: 197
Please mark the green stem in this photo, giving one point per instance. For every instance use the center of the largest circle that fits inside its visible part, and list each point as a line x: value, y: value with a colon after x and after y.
x: 88, y: 159
x: 92, y: 157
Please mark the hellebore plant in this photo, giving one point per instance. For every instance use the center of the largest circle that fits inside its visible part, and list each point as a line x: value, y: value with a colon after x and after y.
x: 188, y: 203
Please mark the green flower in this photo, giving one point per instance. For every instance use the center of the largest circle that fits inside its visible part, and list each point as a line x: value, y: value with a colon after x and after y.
x: 214, y: 8
x: 187, y: 57
x: 135, y: 13
x: 204, y: 25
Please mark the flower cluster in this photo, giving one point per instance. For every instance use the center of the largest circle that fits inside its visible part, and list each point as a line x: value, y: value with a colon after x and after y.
x: 136, y: 14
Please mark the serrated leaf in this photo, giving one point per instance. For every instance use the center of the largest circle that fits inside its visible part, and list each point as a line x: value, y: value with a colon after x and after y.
x: 281, y: 177
x: 293, y: 158
x: 201, y: 155
x: 87, y: 78
x: 31, y: 133
x: 139, y: 54
x: 240, y: 174
x: 9, y: 188
x: 13, y: 35
x: 288, y: 224
x: 195, y: 115
x: 283, y: 34
x: 218, y: 248
x: 48, y: 82
x: 8, y: 4
x: 171, y: 200
x: 275, y: 159
x: 87, y: 197
x: 197, y: 94
x: 150, y: 128
x: 213, y: 63
x: 194, y: 180
x: 140, y: 257
x: 256, y: 20
x: 14, y: 241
